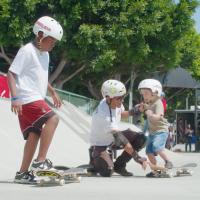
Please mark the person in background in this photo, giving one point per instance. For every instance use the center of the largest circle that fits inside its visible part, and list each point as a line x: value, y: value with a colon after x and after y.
x: 180, y: 130
x: 188, y: 137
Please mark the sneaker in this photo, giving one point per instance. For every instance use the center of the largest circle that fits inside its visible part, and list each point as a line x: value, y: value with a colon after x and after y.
x: 168, y: 164
x: 41, y: 165
x: 25, y: 178
x: 157, y: 174
x: 151, y: 175
x: 123, y: 172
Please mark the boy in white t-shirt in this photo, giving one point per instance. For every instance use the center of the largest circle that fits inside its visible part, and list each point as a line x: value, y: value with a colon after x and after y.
x: 28, y: 82
x: 105, y: 132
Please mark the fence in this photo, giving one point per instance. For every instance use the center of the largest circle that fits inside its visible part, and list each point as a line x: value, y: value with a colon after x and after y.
x: 86, y: 104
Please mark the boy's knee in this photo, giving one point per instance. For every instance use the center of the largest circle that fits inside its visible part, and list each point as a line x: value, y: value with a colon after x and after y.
x: 54, y: 119
x: 102, y: 167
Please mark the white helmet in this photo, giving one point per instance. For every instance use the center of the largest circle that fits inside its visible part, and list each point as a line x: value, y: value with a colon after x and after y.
x: 152, y: 84
x: 49, y: 27
x: 113, y: 88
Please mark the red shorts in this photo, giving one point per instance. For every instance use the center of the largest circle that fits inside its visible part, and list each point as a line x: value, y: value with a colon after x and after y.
x: 34, y: 115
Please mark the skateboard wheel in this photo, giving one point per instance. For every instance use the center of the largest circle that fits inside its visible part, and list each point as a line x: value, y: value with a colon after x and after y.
x: 190, y: 172
x: 62, y: 182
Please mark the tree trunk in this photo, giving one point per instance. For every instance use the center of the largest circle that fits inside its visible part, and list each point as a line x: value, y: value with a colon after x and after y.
x: 4, y: 56
x: 118, y: 76
x: 58, y: 70
x: 93, y: 90
x: 60, y: 83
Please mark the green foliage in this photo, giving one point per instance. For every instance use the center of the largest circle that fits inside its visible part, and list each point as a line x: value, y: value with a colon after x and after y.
x: 16, y: 21
x: 127, y: 34
x: 110, y: 37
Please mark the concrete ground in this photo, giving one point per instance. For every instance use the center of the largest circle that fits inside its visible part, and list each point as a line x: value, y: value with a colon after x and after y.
x: 70, y: 148
x: 116, y: 187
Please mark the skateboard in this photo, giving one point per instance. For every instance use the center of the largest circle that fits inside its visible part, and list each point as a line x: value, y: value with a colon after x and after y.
x: 91, y: 172
x: 162, y: 172
x: 61, y: 167
x: 59, y: 177
x: 89, y: 169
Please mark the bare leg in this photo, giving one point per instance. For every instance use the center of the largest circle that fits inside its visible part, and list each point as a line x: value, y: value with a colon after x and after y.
x: 47, y: 136
x: 163, y: 155
x: 29, y: 150
x: 152, y: 158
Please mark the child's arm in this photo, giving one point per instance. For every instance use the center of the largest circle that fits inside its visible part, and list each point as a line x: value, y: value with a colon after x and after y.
x: 125, y: 114
x: 153, y: 116
x: 136, y: 110
x: 16, y: 105
x: 121, y: 141
x: 56, y: 99
x: 12, y: 83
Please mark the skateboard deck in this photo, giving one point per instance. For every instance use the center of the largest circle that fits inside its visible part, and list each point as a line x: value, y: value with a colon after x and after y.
x: 91, y: 172
x: 59, y: 177
x: 61, y: 167
x: 177, y: 171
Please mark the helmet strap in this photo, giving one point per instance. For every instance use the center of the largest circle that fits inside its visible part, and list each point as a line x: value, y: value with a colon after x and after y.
x: 39, y: 44
x: 39, y: 39
x: 108, y: 100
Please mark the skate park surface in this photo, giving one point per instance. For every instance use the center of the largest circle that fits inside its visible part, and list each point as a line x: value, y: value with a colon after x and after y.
x: 70, y: 148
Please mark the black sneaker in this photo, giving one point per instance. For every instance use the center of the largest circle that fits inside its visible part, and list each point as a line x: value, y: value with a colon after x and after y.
x: 151, y: 175
x: 123, y: 172
x: 158, y: 174
x: 41, y: 165
x: 25, y: 178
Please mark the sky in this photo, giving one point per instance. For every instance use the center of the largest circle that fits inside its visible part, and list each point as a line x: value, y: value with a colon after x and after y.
x: 197, y: 19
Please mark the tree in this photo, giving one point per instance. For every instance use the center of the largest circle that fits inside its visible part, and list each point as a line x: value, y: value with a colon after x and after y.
x: 106, y: 39
x: 16, y: 18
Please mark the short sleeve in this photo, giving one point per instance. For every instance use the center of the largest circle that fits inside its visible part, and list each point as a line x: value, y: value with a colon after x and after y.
x: 20, y: 62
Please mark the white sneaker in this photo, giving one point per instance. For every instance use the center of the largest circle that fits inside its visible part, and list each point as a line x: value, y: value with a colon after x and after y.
x: 41, y: 165
x: 25, y: 177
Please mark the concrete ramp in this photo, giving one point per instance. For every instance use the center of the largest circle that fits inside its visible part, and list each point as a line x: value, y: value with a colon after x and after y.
x: 69, y: 146
x: 70, y: 143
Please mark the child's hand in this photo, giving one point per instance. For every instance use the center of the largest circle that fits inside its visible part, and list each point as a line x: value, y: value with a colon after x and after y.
x: 148, y: 112
x: 16, y: 107
x: 141, y: 107
x: 56, y: 100
x: 144, y: 164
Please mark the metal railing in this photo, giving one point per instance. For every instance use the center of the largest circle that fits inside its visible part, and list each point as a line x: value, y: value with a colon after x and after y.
x: 84, y: 103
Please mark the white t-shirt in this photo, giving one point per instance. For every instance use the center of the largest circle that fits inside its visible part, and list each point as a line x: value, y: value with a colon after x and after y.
x: 102, y: 124
x: 31, y: 67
